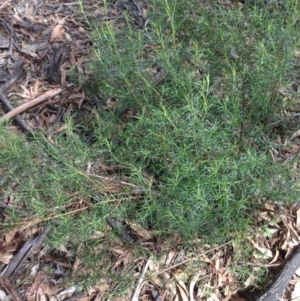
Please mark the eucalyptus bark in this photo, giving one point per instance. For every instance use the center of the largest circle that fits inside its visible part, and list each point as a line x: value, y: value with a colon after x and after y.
x: 277, y: 288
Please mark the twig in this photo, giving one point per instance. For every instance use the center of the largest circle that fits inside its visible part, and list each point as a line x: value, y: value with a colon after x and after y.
x: 264, y: 265
x: 55, y: 5
x: 31, y: 103
x: 176, y: 265
x: 137, y: 290
x: 194, y: 258
x: 38, y: 221
x: 111, y: 180
x: 4, y: 4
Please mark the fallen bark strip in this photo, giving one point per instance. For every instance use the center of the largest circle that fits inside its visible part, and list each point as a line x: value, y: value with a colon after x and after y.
x: 278, y: 286
x: 27, y: 249
x: 31, y: 103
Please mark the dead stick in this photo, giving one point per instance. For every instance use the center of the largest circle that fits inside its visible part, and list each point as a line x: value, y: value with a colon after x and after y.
x: 31, y: 103
x: 137, y: 290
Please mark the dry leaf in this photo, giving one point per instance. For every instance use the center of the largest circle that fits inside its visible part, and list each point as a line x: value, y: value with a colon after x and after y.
x: 298, y: 272
x: 191, y: 287
x: 270, y: 206
x: 5, y: 257
x: 34, y: 270
x: 58, y: 31
x: 263, y: 252
x: 25, y: 94
x: 45, y: 289
x: 68, y: 292
x: 87, y: 298
x: 182, y: 290
x: 140, y: 230
x: 275, y: 257
x: 168, y: 258
x: 249, y: 281
x: 296, y: 292
x: 27, y: 225
x: 3, y: 295
x: 298, y: 218
x: 213, y: 297
x: 293, y: 231
x: 31, y: 93
x: 101, y: 286
x: 176, y: 297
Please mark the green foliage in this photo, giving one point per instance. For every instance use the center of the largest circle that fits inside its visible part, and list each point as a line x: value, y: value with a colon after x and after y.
x: 199, y: 132
x: 197, y: 144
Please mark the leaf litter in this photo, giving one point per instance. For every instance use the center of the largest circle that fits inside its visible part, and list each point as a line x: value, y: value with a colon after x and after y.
x: 53, y: 40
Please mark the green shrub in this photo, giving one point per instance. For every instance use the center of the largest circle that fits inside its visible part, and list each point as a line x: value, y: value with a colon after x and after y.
x: 202, y: 133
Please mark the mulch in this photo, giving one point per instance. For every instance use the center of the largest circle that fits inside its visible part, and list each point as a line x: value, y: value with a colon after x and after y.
x: 40, y: 43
